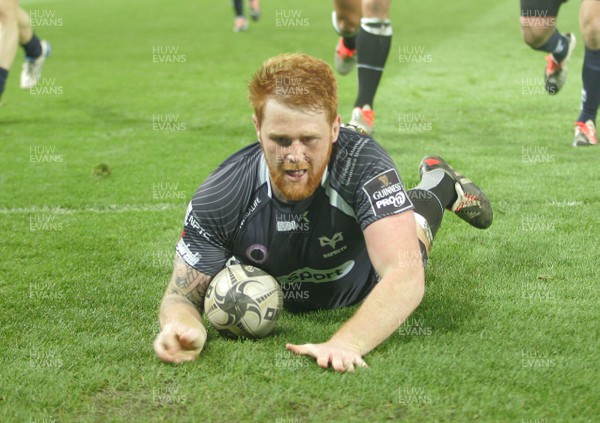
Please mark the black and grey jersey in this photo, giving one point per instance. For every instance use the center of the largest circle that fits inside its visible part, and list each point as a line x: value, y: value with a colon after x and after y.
x: 315, y: 247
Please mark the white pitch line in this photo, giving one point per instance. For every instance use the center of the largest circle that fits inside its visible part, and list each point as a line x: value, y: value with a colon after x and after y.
x: 27, y: 2
x: 113, y: 208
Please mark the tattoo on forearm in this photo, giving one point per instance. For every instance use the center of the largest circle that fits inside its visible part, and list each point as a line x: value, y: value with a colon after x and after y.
x: 187, y: 286
x: 184, y: 279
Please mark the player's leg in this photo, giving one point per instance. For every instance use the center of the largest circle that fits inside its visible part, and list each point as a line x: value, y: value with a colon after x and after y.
x: 585, y: 128
x: 346, y: 21
x: 239, y: 23
x: 538, y: 26
x: 254, y: 6
x: 373, y: 43
x: 9, y: 37
x: 347, y: 15
x: 442, y: 188
x: 36, y: 51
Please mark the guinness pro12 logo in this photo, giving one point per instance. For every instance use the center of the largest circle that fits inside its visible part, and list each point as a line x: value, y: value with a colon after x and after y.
x: 386, y: 194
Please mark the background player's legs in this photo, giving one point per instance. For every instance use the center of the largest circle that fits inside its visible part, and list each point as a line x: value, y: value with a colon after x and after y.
x: 347, y: 17
x: 27, y: 39
x: 346, y: 21
x: 589, y: 19
x: 538, y: 26
x: 36, y: 51
x: 9, y: 36
x: 240, y: 23
x: 373, y: 45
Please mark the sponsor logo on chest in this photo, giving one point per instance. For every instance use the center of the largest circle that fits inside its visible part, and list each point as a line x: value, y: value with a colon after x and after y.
x: 332, y: 243
x: 290, y: 222
x: 310, y: 275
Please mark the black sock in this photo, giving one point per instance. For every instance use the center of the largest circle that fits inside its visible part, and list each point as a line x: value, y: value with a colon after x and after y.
x: 591, y: 86
x: 350, y: 42
x: 427, y: 205
x: 238, y: 6
x: 441, y: 185
x: 373, y: 52
x: 558, y: 45
x: 33, y: 48
x: 3, y: 78
x: 431, y: 197
x: 434, y: 193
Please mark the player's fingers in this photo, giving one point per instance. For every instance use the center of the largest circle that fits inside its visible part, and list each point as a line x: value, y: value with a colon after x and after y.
x: 192, y: 339
x: 159, y: 349
x: 185, y: 356
x: 323, y: 360
x: 337, y: 362
x: 301, y: 349
x: 164, y: 346
x: 355, y: 361
x: 361, y: 363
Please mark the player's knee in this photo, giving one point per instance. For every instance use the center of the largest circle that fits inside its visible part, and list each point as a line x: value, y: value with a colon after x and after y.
x: 346, y: 23
x: 376, y: 9
x: 591, y: 33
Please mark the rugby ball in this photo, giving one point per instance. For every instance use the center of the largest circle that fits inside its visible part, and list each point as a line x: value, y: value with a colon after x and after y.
x: 243, y: 301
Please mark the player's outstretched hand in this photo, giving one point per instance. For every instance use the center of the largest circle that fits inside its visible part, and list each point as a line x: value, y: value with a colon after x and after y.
x: 340, y: 357
x: 178, y: 343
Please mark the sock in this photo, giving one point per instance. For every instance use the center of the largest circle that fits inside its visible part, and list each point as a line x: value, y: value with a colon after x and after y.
x: 350, y: 42
x: 3, y: 78
x: 428, y: 214
x: 373, y: 42
x: 33, y: 48
x: 558, y: 45
x: 431, y: 197
x: 238, y: 6
x: 591, y: 85
x: 441, y: 185
x: 434, y: 193
x: 427, y: 205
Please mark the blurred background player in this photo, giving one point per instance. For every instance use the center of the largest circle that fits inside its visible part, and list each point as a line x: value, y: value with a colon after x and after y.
x: 240, y: 22
x: 366, y: 37
x: 538, y: 24
x: 15, y: 28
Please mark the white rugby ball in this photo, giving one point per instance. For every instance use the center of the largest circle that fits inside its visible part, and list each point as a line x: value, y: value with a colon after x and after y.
x: 243, y: 301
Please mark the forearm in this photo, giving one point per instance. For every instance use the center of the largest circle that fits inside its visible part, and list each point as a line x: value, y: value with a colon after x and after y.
x: 182, y: 333
x: 177, y: 309
x: 388, y: 305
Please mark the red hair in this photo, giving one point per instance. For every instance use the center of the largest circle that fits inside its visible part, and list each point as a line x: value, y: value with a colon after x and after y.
x: 296, y: 80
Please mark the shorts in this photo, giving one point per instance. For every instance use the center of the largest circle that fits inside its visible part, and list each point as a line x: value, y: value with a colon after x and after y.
x: 540, y: 8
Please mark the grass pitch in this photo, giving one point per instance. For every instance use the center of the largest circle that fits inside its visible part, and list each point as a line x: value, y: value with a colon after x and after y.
x: 141, y: 99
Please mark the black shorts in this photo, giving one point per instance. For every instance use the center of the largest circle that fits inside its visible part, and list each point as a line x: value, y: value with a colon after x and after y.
x: 540, y: 8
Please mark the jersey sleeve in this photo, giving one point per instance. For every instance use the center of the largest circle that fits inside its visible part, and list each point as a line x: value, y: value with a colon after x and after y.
x: 213, y: 216
x: 381, y: 194
x: 369, y: 178
x: 200, y: 246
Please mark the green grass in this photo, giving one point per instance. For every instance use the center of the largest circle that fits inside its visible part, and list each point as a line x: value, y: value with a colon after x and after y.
x: 507, y: 331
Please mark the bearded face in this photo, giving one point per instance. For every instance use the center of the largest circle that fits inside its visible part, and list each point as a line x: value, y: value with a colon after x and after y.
x: 297, y: 145
x: 297, y: 181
